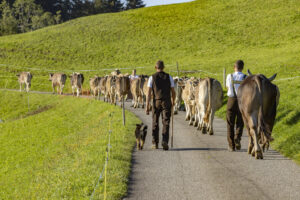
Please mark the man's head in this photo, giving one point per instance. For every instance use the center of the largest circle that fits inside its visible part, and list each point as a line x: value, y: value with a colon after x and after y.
x: 239, y: 66
x: 159, y: 65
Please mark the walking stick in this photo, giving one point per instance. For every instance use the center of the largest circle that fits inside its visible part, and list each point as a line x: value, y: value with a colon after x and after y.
x: 172, y: 121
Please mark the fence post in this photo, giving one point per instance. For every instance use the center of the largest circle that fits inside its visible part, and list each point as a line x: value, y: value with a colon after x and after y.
x: 123, y: 111
x: 177, y: 69
x: 224, y: 77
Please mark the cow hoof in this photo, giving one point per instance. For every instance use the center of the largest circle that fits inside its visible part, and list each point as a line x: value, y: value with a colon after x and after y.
x: 143, y: 106
x: 258, y: 155
x: 191, y: 123
x: 204, y: 130
x: 211, y: 132
x: 175, y: 112
x: 253, y: 152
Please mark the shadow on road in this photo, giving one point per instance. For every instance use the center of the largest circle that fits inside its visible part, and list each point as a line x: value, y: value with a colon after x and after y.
x: 198, y: 149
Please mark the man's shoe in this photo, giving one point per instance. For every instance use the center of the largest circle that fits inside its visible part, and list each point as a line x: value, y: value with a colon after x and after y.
x: 237, y: 144
x: 154, y: 145
x: 165, y: 146
x: 231, y: 149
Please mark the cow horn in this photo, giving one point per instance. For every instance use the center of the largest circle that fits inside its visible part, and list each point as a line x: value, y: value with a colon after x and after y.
x: 273, y: 77
x: 250, y: 74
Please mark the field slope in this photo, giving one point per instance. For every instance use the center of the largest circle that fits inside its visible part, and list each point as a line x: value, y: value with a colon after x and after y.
x: 201, y: 35
x: 55, y: 147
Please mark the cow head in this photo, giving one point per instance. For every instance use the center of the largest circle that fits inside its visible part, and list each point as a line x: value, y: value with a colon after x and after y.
x: 270, y: 79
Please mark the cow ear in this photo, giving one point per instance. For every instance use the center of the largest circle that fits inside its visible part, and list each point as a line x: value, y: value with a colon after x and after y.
x: 272, y: 77
x: 250, y: 74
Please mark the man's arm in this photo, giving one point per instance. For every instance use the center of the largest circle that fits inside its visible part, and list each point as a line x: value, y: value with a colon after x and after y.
x: 148, y: 98
x: 173, y: 96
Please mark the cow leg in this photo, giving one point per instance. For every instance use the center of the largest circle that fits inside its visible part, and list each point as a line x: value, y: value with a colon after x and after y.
x: 250, y: 144
x: 20, y: 87
x: 78, y: 91
x: 211, y: 120
x: 257, y: 150
x: 62, y: 87
x: 187, y: 115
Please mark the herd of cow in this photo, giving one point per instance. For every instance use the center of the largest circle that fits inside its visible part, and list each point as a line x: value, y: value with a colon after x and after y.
x: 257, y: 97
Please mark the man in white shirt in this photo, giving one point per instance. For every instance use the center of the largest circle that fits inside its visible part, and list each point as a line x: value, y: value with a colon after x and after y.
x: 161, y: 85
x: 133, y: 76
x: 233, y: 114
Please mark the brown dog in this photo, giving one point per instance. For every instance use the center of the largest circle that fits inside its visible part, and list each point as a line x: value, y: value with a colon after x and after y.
x: 140, y: 135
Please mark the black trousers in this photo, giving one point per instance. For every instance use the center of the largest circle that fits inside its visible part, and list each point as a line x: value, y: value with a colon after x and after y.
x: 234, y: 118
x: 161, y: 107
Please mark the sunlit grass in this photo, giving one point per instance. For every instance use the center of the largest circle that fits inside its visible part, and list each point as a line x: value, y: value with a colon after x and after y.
x: 59, y: 152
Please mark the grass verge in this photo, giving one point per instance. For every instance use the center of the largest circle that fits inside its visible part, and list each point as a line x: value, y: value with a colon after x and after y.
x: 56, y: 149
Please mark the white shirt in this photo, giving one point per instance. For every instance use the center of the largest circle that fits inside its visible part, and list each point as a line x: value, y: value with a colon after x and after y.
x: 237, y: 76
x: 132, y: 77
x: 150, y: 82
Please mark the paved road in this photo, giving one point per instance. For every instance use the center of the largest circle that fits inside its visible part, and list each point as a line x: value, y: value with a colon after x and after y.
x: 200, y: 167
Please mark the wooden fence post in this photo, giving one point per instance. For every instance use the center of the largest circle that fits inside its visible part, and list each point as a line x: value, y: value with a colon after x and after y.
x: 224, y: 77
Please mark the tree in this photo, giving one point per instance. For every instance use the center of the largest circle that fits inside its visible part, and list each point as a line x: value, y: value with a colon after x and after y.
x: 25, y: 10
x: 105, y: 6
x: 8, y: 23
x: 42, y: 20
x: 132, y: 4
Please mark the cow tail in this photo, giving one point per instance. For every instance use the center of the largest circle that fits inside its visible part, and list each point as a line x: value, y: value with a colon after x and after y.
x: 208, y: 108
x: 265, y: 135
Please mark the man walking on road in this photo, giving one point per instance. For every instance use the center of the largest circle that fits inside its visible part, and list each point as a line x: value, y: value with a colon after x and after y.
x: 161, y: 85
x: 233, y: 114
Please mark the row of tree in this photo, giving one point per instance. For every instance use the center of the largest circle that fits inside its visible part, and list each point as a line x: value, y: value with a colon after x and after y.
x: 19, y: 16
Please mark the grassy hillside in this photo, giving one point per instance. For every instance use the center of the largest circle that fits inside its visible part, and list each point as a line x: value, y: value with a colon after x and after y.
x: 202, y: 35
x: 55, y: 147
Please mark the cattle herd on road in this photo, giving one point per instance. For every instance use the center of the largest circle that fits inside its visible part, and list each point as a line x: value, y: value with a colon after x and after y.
x: 257, y: 97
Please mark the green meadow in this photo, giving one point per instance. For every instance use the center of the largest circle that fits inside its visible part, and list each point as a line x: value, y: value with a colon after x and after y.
x: 55, y: 148
x: 206, y: 35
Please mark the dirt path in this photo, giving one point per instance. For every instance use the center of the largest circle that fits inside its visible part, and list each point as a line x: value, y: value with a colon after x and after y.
x: 200, y: 167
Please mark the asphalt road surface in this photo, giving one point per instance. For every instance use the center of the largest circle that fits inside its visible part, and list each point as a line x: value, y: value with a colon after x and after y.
x: 200, y: 167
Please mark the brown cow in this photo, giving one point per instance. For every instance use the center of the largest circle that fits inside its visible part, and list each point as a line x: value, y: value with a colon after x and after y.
x: 95, y: 85
x: 143, y: 89
x: 122, y: 88
x: 208, y: 99
x: 135, y: 91
x: 188, y: 96
x: 111, y: 89
x: 179, y: 82
x: 103, y: 87
x: 25, y: 78
x: 258, y: 99
x: 77, y: 80
x: 58, y: 80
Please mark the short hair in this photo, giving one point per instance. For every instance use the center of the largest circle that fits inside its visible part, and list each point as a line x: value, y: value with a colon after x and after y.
x: 160, y: 64
x: 239, y: 64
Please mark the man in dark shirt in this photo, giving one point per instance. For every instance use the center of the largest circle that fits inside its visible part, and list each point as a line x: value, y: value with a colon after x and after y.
x: 161, y: 85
